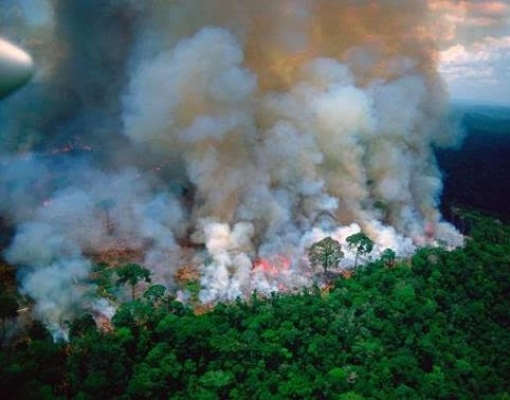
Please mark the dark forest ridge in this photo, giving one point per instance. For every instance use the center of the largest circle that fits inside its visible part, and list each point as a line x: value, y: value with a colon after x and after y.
x: 434, y: 326
x: 476, y: 173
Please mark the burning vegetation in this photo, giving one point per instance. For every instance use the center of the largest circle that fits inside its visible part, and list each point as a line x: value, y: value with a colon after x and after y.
x: 215, y: 143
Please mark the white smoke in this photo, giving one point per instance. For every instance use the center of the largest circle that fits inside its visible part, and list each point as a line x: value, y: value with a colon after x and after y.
x: 228, y: 135
x: 117, y: 210
x: 57, y: 291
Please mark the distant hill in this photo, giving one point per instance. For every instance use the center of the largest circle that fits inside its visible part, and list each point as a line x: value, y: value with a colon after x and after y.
x: 478, y: 173
x: 494, y: 119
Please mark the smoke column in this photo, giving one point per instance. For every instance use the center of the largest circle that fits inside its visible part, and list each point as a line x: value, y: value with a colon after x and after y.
x: 217, y: 133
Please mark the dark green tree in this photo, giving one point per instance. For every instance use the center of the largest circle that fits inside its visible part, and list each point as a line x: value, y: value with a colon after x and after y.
x: 8, y: 310
x: 82, y: 325
x: 132, y: 274
x: 102, y: 277
x: 157, y: 375
x: 37, y: 331
x: 388, y: 257
x: 155, y: 293
x: 326, y: 253
x: 361, y: 243
x: 97, y: 367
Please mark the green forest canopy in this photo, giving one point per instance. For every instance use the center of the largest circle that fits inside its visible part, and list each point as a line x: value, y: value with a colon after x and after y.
x: 435, y: 326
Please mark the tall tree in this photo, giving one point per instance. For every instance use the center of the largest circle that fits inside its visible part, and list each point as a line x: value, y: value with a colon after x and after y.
x: 107, y: 205
x: 361, y: 243
x: 326, y: 252
x: 388, y: 257
x: 155, y: 293
x: 132, y: 274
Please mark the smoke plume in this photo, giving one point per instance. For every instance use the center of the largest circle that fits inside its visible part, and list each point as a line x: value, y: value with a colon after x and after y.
x: 226, y: 135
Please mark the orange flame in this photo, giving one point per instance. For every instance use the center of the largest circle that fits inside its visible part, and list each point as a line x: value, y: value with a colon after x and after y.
x: 272, y: 266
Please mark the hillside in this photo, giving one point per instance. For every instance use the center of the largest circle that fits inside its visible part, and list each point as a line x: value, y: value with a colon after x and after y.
x: 434, y: 326
x: 476, y: 174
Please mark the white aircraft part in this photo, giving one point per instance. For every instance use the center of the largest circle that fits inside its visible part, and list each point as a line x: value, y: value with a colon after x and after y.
x: 16, y: 67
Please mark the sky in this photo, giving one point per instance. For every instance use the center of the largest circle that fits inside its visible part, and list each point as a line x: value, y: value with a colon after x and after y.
x: 474, y: 41
x: 475, y: 49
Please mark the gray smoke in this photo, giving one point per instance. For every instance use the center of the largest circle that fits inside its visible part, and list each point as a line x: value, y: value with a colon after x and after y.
x: 217, y: 133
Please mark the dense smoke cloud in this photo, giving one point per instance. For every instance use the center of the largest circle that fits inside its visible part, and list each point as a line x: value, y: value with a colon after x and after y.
x: 218, y: 133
